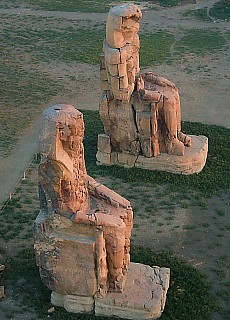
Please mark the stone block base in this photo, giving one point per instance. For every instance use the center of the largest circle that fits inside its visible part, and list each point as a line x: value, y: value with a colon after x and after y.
x: 143, y: 297
x: 193, y: 160
x: 73, y: 303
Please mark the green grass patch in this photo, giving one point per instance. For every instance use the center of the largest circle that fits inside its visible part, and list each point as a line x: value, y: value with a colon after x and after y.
x: 76, y: 44
x: 215, y: 175
x: 200, y: 42
x: 66, y: 45
x: 17, y: 216
x: 168, y: 3
x: 199, y: 14
x: 66, y: 6
x: 22, y: 92
x: 155, y: 48
x: 78, y: 5
x: 221, y: 10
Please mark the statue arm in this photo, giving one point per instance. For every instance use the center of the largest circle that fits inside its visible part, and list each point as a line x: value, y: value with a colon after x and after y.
x: 100, y: 191
x: 160, y: 81
x: 150, y: 95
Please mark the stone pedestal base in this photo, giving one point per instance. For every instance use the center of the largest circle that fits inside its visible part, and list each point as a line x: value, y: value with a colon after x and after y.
x: 193, y: 160
x: 73, y: 303
x: 144, y: 296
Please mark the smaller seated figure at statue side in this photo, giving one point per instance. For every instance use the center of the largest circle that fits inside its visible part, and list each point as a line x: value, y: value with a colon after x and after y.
x: 164, y: 95
x: 138, y: 95
x: 64, y: 182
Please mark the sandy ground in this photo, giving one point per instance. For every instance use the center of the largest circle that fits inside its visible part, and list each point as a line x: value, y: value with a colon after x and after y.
x: 204, y: 92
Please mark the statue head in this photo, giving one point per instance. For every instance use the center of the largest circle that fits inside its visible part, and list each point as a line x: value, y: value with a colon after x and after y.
x: 70, y: 130
x: 62, y: 133
x: 62, y: 169
x: 122, y: 25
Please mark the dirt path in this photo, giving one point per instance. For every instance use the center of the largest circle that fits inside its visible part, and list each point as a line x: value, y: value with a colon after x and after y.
x: 204, y: 92
x: 12, y: 168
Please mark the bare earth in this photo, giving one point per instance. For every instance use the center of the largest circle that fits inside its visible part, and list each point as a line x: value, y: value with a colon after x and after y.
x: 204, y: 92
x: 204, y: 98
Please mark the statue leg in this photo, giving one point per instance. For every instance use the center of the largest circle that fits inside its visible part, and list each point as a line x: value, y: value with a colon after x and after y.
x: 186, y: 140
x: 177, y: 109
x: 114, y: 233
x: 171, y: 114
x: 115, y: 249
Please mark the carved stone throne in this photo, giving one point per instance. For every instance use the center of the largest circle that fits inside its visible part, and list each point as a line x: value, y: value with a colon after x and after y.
x: 82, y: 233
x: 140, y: 111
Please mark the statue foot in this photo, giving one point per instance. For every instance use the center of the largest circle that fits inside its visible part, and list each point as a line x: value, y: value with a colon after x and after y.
x: 187, y: 141
x: 116, y: 285
x: 176, y: 147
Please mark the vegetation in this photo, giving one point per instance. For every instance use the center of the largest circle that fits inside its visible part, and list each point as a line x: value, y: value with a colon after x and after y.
x: 46, y: 45
x: 221, y: 10
x: 25, y: 90
x: 22, y: 93
x: 168, y: 3
x: 200, y: 14
x: 200, y: 42
x: 78, y: 5
x: 67, y: 6
x: 152, y: 53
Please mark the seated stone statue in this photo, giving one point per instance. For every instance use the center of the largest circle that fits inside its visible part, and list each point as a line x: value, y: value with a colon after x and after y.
x: 63, y: 181
x: 82, y: 232
x: 140, y: 112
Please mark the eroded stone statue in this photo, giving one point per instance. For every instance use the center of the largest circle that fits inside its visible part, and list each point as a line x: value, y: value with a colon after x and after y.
x: 140, y: 111
x: 82, y: 233
x: 73, y: 194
